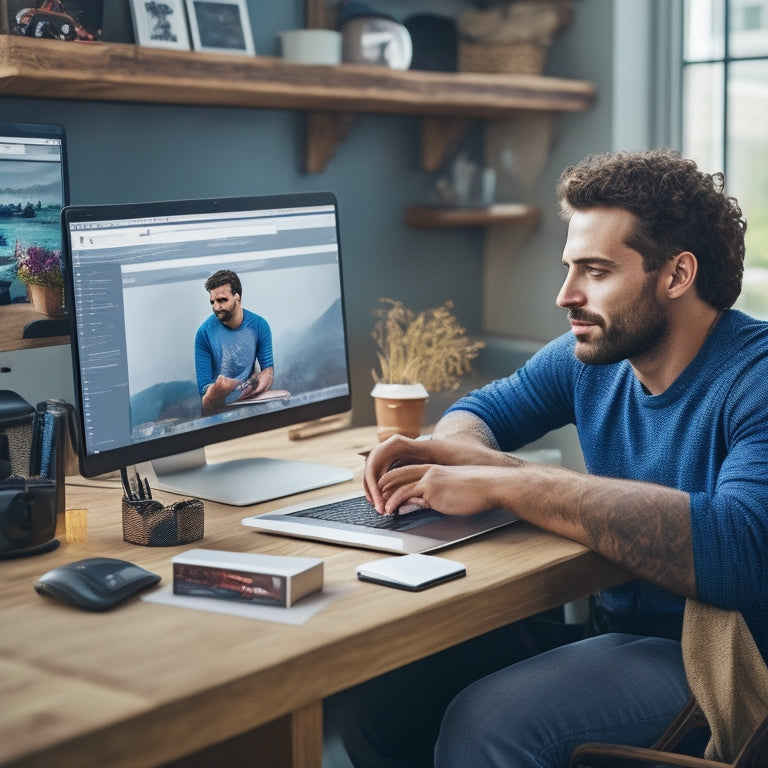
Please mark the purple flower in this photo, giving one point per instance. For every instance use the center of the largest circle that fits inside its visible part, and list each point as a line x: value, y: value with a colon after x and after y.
x: 39, y: 265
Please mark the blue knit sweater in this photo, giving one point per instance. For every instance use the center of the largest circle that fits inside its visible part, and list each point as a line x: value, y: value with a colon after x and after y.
x: 706, y: 435
x: 231, y: 352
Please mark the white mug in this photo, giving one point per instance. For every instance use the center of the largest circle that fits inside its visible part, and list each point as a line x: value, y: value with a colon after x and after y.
x: 311, y: 46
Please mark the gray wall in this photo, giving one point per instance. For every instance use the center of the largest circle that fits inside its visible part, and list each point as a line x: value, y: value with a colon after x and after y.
x: 131, y: 152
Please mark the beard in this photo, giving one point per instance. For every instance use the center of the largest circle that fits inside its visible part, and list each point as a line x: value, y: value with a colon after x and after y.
x: 633, y: 332
x: 225, y: 315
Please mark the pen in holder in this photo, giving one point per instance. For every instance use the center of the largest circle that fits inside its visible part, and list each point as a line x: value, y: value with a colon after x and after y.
x: 150, y: 523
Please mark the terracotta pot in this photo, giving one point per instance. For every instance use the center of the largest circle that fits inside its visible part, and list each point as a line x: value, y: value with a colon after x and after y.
x: 45, y: 299
x: 399, y: 409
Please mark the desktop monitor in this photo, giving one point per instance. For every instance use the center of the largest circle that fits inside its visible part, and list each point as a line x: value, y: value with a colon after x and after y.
x: 136, y: 277
x: 33, y: 190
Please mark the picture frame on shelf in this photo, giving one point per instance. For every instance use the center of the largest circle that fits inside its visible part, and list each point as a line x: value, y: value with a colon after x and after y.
x: 160, y: 24
x: 220, y: 26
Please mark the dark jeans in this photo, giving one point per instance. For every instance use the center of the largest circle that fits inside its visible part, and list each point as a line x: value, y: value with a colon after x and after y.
x: 509, y: 704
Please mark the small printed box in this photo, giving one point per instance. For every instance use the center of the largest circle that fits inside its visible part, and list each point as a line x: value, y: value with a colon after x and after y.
x: 248, y: 578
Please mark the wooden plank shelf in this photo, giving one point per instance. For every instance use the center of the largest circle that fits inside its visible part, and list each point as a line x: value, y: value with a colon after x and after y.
x: 53, y: 69
x: 123, y: 72
x: 433, y: 217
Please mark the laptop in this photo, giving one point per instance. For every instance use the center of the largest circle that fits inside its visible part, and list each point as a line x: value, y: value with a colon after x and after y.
x: 417, y: 531
x: 349, y: 519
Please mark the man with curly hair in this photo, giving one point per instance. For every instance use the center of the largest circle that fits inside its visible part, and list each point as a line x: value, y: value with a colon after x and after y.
x: 665, y: 383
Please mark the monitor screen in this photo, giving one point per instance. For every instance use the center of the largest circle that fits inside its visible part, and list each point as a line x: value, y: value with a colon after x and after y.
x: 200, y: 321
x: 33, y: 190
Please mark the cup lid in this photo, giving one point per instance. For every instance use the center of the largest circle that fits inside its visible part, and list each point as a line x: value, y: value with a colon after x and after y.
x: 400, y: 391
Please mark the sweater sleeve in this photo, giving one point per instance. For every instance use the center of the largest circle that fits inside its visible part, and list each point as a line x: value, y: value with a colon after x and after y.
x: 730, y: 526
x: 534, y: 400
x: 203, y: 360
x: 264, y: 344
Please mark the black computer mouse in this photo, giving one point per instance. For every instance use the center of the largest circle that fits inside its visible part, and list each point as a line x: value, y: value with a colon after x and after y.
x: 96, y: 583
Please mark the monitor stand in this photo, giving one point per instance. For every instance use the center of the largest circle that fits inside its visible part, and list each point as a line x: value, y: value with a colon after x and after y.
x: 241, y: 482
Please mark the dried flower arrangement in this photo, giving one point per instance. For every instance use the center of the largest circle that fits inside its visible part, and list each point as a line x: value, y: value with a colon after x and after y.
x: 430, y: 348
x: 39, y: 266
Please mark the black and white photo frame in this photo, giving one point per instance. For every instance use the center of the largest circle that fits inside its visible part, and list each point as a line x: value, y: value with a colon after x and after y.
x: 220, y: 26
x: 160, y: 24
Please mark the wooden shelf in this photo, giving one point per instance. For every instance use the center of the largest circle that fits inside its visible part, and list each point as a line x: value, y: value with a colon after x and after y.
x: 122, y: 72
x: 441, y: 218
x: 54, y: 69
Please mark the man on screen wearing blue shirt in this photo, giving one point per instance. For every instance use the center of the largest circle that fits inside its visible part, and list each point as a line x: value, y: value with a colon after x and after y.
x: 233, y: 347
x: 666, y: 385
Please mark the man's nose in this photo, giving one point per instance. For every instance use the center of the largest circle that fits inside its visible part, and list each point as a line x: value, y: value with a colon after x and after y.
x: 570, y: 295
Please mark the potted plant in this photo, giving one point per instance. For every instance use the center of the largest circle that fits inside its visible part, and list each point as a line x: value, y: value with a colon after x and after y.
x: 40, y: 269
x: 417, y: 354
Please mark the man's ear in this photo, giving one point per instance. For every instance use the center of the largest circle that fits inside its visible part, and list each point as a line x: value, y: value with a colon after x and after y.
x: 681, y: 274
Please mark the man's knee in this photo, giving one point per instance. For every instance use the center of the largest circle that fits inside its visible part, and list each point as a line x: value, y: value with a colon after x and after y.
x: 534, y: 712
x: 464, y: 730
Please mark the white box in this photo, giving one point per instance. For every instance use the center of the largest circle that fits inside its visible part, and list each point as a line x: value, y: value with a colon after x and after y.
x: 250, y: 578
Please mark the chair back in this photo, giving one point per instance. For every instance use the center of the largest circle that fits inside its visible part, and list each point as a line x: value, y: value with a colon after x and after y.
x: 727, y: 676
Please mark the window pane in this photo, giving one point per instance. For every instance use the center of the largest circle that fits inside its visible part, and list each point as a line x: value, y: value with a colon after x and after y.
x: 704, y: 24
x: 702, y: 115
x: 748, y: 35
x: 748, y: 172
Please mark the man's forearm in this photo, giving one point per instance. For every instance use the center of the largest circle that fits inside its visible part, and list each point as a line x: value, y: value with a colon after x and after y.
x: 642, y: 526
x: 263, y: 379
x: 465, y: 425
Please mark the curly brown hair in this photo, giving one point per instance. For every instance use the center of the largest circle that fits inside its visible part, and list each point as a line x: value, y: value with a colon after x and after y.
x: 224, y: 277
x: 677, y: 207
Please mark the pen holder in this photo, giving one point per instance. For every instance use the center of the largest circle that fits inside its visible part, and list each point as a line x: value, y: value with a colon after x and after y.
x: 152, y: 524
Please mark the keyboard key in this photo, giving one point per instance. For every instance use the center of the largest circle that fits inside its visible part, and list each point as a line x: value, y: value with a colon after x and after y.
x: 357, y: 511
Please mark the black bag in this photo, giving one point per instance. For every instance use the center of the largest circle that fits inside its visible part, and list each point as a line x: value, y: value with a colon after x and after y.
x: 27, y: 517
x: 16, y: 427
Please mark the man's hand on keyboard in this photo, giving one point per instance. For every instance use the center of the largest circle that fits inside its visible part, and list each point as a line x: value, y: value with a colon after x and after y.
x: 399, y: 452
x: 459, y: 491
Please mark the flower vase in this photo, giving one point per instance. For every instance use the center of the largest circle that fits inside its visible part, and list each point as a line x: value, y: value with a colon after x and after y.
x: 46, y: 299
x: 399, y: 409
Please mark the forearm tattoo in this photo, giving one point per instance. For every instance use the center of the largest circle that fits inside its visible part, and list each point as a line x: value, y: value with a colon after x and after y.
x: 645, y: 529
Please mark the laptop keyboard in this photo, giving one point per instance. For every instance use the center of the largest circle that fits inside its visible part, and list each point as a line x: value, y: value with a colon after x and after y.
x: 357, y: 511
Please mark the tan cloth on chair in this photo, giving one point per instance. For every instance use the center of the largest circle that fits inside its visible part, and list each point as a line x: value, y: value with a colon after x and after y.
x: 727, y: 675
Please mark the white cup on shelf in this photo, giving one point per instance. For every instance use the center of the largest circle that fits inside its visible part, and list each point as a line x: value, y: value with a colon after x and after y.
x: 311, y: 46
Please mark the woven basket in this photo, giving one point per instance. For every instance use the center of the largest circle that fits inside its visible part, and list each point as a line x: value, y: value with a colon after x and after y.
x: 151, y: 524
x: 509, y: 58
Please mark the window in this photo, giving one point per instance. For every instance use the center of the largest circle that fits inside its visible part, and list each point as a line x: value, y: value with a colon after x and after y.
x: 725, y: 117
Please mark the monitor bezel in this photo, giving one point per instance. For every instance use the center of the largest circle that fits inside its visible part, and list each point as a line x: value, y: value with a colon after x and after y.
x: 93, y: 464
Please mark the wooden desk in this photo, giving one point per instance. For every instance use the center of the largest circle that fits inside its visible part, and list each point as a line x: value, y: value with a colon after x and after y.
x: 148, y: 685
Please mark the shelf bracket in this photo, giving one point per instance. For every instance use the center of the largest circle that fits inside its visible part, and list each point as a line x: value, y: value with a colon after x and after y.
x: 439, y: 137
x: 324, y: 132
x: 319, y: 14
